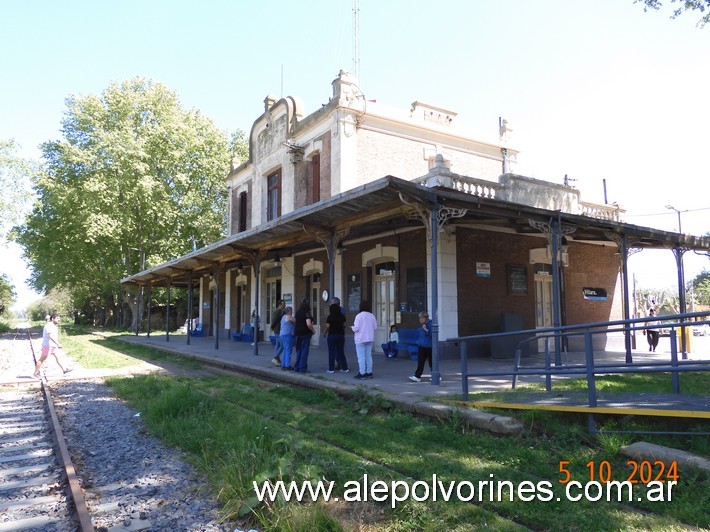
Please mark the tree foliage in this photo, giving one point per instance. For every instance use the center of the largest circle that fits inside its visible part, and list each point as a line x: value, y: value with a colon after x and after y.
x: 7, y: 295
x: 683, y: 5
x: 133, y: 181
x: 15, y: 193
x: 701, y: 288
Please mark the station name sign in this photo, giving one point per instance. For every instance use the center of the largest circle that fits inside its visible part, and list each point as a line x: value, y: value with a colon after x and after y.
x: 594, y: 294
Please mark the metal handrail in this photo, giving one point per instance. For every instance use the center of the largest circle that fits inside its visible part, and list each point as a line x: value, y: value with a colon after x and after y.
x: 589, y: 368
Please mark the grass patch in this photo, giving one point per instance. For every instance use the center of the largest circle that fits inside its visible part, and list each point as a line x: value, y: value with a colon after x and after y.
x: 104, y: 350
x: 237, y: 431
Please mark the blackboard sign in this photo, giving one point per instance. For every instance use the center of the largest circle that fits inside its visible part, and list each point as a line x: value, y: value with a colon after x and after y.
x: 354, y: 293
x: 517, y: 280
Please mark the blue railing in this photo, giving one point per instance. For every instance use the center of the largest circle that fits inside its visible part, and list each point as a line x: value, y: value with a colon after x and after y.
x: 590, y: 368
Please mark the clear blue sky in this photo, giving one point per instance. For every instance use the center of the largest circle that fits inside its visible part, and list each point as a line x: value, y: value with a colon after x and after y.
x: 596, y: 90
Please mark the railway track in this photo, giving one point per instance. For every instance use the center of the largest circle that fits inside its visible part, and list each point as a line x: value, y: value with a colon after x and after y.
x: 36, y: 475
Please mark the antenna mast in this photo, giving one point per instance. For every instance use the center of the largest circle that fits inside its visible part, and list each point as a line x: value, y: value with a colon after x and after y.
x: 356, y: 38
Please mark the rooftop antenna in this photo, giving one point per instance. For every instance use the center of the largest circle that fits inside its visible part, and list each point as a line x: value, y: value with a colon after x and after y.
x: 356, y: 39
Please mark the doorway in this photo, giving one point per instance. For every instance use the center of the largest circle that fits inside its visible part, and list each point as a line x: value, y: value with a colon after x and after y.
x: 543, y: 301
x: 384, y: 301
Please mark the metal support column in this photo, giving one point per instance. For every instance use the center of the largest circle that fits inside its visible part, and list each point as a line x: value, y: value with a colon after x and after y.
x: 189, y: 306
x: 139, y: 299
x: 555, y: 241
x: 678, y: 252
x: 435, y: 373
x: 217, y: 275
x: 167, y: 316
x: 150, y: 307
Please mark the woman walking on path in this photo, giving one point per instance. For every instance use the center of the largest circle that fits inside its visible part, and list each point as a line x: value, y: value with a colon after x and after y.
x: 364, y: 329
x: 50, y: 344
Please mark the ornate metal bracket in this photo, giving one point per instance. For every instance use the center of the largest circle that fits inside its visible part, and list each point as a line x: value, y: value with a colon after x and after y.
x: 627, y: 247
x: 423, y: 214
x: 329, y: 238
x: 546, y: 229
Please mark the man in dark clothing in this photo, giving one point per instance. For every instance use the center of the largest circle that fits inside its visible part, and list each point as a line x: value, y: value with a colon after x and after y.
x: 304, y: 331
x: 275, y: 330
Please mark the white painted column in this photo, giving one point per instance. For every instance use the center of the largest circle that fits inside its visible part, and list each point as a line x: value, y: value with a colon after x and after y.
x: 228, y: 299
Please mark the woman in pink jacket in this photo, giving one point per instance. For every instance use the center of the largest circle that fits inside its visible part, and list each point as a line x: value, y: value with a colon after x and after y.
x: 364, y: 329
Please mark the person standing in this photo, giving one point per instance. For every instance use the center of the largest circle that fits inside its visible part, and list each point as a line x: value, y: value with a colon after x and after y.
x: 423, y: 346
x: 255, y: 325
x: 304, y: 331
x: 652, y: 333
x: 336, y: 300
x: 286, y: 330
x: 275, y: 330
x: 50, y: 344
x: 364, y: 329
x: 335, y: 333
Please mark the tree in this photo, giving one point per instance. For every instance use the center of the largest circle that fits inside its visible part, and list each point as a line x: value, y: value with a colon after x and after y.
x: 701, y: 288
x: 15, y: 193
x: 685, y: 5
x: 134, y: 180
x: 7, y: 295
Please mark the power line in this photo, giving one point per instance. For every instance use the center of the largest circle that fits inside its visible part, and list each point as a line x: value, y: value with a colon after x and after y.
x: 668, y: 213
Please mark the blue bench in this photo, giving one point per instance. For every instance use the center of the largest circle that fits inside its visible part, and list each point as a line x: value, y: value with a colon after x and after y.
x: 198, y: 331
x: 246, y: 334
x: 408, y: 341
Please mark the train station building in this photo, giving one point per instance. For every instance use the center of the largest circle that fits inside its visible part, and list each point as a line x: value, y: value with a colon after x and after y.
x: 404, y: 209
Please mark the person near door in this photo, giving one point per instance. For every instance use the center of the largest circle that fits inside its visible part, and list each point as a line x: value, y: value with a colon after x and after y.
x: 390, y: 348
x: 423, y: 346
x: 364, y: 329
x: 304, y: 332
x: 275, y: 329
x: 335, y: 334
x: 286, y: 330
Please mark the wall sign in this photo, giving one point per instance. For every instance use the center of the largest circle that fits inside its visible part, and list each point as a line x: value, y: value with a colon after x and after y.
x: 517, y: 280
x: 354, y: 293
x: 483, y: 269
x: 594, y: 294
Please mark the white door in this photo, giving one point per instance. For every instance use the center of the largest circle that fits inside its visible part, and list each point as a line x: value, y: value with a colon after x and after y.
x: 384, y: 306
x: 543, y: 305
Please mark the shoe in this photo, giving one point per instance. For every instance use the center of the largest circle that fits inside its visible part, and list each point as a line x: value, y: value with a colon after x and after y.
x: 414, y: 378
x: 368, y: 375
x: 287, y: 368
x: 276, y: 361
x: 330, y: 371
x: 360, y: 377
x: 344, y: 370
x: 67, y: 370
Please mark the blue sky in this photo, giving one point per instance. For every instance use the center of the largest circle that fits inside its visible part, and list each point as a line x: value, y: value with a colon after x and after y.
x: 596, y: 90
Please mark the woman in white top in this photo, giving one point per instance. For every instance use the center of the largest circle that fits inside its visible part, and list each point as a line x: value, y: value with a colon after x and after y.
x: 364, y: 329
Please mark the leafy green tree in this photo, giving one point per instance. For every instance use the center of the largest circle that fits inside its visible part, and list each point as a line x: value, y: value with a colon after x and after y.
x: 701, y: 288
x: 133, y: 181
x: 684, y: 5
x: 15, y: 191
x: 7, y: 295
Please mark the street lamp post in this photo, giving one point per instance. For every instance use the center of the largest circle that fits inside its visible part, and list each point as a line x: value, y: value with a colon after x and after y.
x: 672, y: 208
